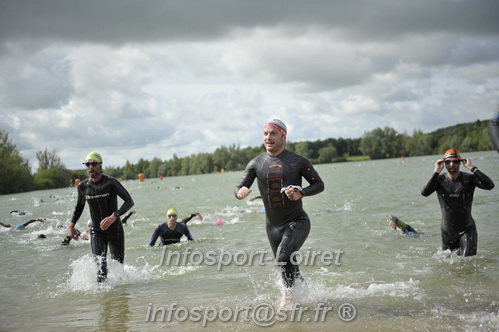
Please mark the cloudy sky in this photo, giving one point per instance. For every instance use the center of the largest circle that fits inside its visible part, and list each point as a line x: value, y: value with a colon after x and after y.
x: 144, y: 79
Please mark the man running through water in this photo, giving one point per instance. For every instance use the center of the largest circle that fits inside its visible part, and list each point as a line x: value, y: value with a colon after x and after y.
x: 279, y: 174
x: 101, y: 192
x: 455, y: 194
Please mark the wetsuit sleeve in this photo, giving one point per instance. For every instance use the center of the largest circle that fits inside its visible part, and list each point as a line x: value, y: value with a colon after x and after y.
x: 431, y: 186
x: 400, y: 224
x: 248, y: 177
x: 80, y: 204
x: 483, y: 181
x: 409, y: 229
x: 186, y: 219
x: 29, y: 222
x: 154, y: 237
x: 126, y: 217
x: 493, y: 129
x: 403, y: 226
x: 310, y: 174
x: 188, y: 233
x: 125, y: 196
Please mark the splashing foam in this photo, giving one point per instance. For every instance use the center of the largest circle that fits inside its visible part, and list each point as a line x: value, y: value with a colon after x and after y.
x: 83, y: 275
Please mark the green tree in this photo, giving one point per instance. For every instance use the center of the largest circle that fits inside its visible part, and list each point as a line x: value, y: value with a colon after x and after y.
x: 185, y: 163
x: 52, y: 178
x: 220, y: 158
x: 48, y: 160
x: 174, y: 165
x: 303, y: 148
x: 326, y: 154
x: 15, y: 172
x: 129, y: 171
x: 418, y: 144
x: 51, y: 171
x: 153, y: 169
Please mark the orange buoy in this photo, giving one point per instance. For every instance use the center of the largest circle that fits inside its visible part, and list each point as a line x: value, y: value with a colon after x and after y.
x: 141, y: 177
x: 77, y: 182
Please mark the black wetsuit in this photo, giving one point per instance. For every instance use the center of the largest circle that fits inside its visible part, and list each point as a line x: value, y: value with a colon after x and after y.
x: 288, y: 225
x: 493, y: 130
x: 168, y: 236
x: 456, y: 199
x: 23, y: 226
x: 102, y: 201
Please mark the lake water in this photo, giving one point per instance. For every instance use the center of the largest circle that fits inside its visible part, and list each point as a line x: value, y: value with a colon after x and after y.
x: 377, y: 280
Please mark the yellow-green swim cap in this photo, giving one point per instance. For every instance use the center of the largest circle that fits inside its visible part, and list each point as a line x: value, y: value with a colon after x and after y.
x: 94, y: 156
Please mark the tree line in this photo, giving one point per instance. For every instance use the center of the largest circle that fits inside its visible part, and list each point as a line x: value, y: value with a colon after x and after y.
x: 16, y: 174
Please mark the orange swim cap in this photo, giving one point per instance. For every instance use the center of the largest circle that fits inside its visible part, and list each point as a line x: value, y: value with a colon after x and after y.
x: 452, y: 153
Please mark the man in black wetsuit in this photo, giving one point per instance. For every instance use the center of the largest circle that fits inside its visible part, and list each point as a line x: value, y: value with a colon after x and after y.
x: 279, y: 174
x: 101, y: 192
x: 172, y: 231
x: 455, y: 194
x: 493, y: 129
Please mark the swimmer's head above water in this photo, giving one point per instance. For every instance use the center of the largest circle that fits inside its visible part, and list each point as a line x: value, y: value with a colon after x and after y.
x: 279, y: 125
x: 94, y: 156
x: 452, y: 153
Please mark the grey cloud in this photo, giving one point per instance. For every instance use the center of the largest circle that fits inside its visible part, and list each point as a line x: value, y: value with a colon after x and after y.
x: 151, y: 78
x: 145, y: 21
x: 35, y: 81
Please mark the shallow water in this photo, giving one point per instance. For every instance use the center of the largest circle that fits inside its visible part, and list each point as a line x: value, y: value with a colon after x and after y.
x: 394, y: 283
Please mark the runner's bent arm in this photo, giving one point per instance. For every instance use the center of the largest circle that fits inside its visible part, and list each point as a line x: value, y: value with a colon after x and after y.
x: 125, y: 196
x: 246, y: 181
x: 316, y: 184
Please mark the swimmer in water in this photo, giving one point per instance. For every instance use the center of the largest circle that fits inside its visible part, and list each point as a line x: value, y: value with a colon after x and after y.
x: 279, y: 173
x: 172, y: 231
x: 23, y: 226
x: 406, y: 229
x: 455, y: 191
x: 18, y: 213
x: 127, y: 217
x: 85, y: 235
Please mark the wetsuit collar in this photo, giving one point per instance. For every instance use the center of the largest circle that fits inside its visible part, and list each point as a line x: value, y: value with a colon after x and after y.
x: 454, y: 178
x: 276, y: 155
x: 95, y: 180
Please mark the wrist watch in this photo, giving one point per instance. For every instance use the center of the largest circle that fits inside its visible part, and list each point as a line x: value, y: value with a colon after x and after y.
x: 116, y: 214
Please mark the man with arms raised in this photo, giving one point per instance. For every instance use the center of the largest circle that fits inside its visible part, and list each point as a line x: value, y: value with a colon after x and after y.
x: 455, y: 191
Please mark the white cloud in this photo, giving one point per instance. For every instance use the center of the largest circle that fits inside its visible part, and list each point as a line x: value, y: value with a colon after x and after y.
x: 142, y: 80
